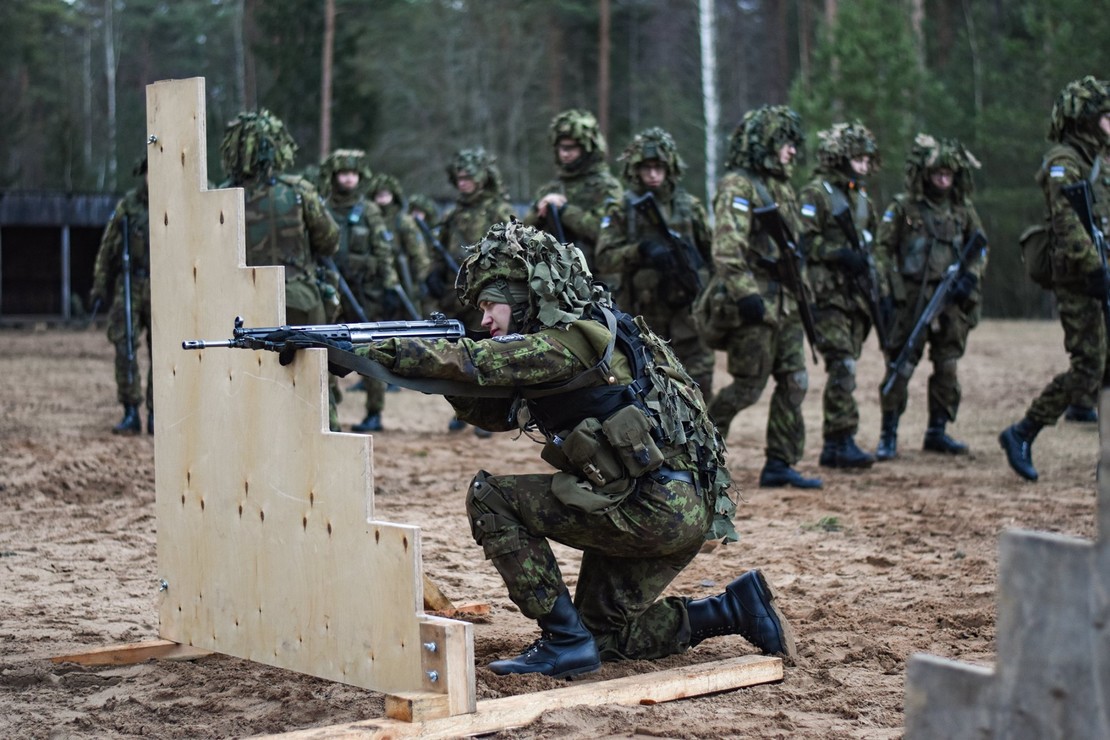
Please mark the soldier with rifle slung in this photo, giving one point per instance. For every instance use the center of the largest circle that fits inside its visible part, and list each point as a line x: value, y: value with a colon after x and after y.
x: 656, y: 238
x: 1077, y: 210
x: 122, y: 272
x: 923, y: 239
x: 410, y: 251
x: 756, y: 304
x: 364, y: 258
x: 838, y: 221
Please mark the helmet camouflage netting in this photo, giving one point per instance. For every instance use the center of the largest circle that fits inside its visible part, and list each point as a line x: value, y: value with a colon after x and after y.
x: 652, y: 143
x: 579, y: 125
x: 762, y: 132
x: 421, y: 202
x: 475, y: 163
x: 256, y: 144
x: 343, y: 160
x: 382, y: 181
x: 1079, y: 105
x: 929, y: 154
x: 838, y: 145
x: 559, y: 284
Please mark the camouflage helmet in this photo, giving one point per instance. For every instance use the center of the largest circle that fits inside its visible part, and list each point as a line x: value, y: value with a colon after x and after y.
x: 420, y: 202
x: 652, y: 143
x: 579, y: 125
x: 344, y: 160
x: 256, y: 144
x: 762, y: 132
x: 383, y: 181
x: 1078, y: 107
x: 475, y: 163
x: 546, y: 283
x: 843, y: 142
x: 929, y: 154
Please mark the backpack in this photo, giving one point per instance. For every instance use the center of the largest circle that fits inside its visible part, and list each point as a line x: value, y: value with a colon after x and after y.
x: 1036, y: 254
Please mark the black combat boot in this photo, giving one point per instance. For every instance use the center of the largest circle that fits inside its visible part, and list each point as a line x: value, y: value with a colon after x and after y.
x: 565, y: 647
x: 746, y: 608
x: 777, y: 473
x: 936, y: 440
x: 130, y: 423
x: 372, y: 423
x: 1017, y: 443
x: 1082, y: 414
x: 841, y: 451
x: 150, y: 422
x: 888, y: 437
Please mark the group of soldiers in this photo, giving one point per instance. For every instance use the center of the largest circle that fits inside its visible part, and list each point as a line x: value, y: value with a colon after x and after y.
x: 775, y: 269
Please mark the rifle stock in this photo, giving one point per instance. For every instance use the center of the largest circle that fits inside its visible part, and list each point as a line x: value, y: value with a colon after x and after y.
x: 556, y: 217
x: 789, y: 268
x: 1082, y: 202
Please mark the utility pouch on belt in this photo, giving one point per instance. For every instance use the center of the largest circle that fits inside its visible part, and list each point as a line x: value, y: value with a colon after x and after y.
x: 590, y: 452
x: 629, y: 431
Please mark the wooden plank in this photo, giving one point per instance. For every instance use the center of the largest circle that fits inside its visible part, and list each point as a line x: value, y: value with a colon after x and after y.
x: 266, y: 531
x: 135, y: 652
x: 514, y: 711
x: 434, y: 600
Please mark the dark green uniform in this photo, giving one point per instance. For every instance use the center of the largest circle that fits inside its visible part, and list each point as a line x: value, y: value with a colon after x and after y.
x: 466, y: 224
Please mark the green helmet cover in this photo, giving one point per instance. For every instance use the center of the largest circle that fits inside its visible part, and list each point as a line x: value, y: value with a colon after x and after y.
x: 579, y: 125
x: 343, y: 160
x: 383, y: 181
x: 1078, y: 107
x: 843, y: 142
x: 929, y: 154
x: 255, y: 145
x: 761, y: 133
x: 653, y: 143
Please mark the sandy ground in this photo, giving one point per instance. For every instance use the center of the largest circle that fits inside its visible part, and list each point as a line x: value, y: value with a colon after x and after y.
x: 873, y: 568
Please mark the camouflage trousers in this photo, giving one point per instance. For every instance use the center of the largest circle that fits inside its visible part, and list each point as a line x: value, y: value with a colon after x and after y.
x: 677, y: 326
x: 375, y: 395
x: 129, y: 385
x: 1085, y: 342
x: 842, y: 334
x: 947, y: 340
x: 756, y: 352
x: 629, y: 555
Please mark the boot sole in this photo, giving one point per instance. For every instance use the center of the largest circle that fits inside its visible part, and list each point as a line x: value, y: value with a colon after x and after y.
x: 790, y: 649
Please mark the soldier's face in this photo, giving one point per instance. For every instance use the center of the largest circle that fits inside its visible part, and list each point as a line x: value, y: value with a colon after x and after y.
x: 568, y: 150
x: 465, y: 184
x: 347, y: 180
x: 652, y: 173
x: 496, y: 317
x: 941, y: 178
x: 787, y: 153
x: 861, y: 165
x: 383, y: 197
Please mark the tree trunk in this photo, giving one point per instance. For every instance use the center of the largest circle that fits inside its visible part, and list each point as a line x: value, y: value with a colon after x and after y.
x: 86, y: 101
x: 110, y: 84
x: 239, y: 49
x: 711, y: 102
x: 917, y: 23
x: 603, y: 68
x: 325, y: 78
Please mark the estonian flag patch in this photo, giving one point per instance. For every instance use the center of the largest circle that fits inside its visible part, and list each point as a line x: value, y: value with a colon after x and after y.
x: 741, y: 204
x: 1056, y: 172
x: 888, y: 216
x: 809, y: 210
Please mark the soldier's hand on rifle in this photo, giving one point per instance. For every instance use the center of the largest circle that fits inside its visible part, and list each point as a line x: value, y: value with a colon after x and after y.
x: 558, y: 200
x: 1096, y: 283
x: 963, y: 287
x: 852, y: 261
x: 287, y: 342
x: 657, y: 255
x: 751, y: 308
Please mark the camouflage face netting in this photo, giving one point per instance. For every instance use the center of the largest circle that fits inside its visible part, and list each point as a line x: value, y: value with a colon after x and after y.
x: 342, y: 160
x: 560, y: 285
x: 929, y: 154
x: 652, y: 143
x: 256, y: 144
x: 755, y: 143
x: 1078, y: 107
x: 579, y: 125
x: 837, y: 146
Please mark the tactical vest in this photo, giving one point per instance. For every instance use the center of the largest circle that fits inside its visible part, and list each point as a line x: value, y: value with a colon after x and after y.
x: 680, y: 219
x: 275, y: 227
x: 932, y: 238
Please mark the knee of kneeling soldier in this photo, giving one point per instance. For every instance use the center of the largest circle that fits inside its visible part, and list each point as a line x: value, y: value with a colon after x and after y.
x: 493, y: 523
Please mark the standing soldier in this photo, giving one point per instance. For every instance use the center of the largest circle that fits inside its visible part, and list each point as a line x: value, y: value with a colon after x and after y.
x: 840, y: 274
x: 410, y: 253
x: 364, y: 257
x: 128, y: 227
x: 645, y: 256
x: 924, y: 231
x: 286, y: 221
x: 753, y: 317
x: 1080, y: 132
x: 583, y: 187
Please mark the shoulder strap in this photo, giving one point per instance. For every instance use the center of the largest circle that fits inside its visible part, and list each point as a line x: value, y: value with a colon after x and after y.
x: 760, y: 187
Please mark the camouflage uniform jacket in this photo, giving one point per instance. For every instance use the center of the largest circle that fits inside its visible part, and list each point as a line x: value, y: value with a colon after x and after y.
x: 589, y: 195
x: 743, y: 254
x: 109, y: 258
x: 1073, y: 251
x: 821, y: 236
x: 365, y: 254
x: 918, y: 240
x: 287, y: 224
x: 408, y: 245
x: 622, y: 231
x: 467, y: 224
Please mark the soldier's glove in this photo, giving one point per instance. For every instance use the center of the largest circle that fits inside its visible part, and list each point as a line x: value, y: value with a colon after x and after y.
x: 657, y: 255
x: 434, y: 284
x: 963, y: 287
x: 391, y: 303
x: 751, y: 308
x: 288, y: 341
x: 1096, y: 283
x: 852, y: 261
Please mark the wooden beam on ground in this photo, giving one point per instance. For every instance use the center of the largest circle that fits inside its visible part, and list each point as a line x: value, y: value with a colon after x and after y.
x: 135, y: 652
x: 513, y: 711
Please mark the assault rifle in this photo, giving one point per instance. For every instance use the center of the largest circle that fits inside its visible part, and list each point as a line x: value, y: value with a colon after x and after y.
x: 352, y: 303
x: 1081, y: 200
x: 130, y: 333
x: 687, y: 259
x: 867, y: 283
x: 900, y: 371
x: 788, y: 268
x: 436, y: 327
x: 556, y: 222
x: 437, y: 245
